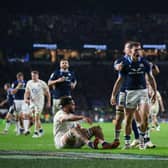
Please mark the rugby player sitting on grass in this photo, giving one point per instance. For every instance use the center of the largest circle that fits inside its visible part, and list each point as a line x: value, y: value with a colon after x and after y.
x: 68, y: 133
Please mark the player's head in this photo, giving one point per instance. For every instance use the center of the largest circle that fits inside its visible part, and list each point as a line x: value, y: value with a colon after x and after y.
x: 6, y: 86
x: 127, y: 48
x: 64, y: 64
x: 68, y: 104
x: 20, y: 76
x: 35, y: 75
x: 135, y: 48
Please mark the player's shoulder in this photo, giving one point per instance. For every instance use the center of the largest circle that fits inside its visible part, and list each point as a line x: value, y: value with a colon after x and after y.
x: 29, y: 82
x: 121, y: 59
x: 42, y: 82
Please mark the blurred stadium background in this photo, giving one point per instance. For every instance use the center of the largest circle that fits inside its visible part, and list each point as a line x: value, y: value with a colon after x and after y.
x: 91, y: 41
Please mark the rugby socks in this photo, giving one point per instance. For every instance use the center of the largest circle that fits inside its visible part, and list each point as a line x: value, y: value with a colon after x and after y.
x: 26, y: 124
x: 17, y: 127
x: 117, y: 135
x: 127, y: 139
x: 147, y: 135
x: 90, y: 144
x: 8, y: 123
x: 135, y: 129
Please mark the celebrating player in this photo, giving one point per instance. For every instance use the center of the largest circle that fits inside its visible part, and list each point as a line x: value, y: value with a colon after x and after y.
x: 62, y: 82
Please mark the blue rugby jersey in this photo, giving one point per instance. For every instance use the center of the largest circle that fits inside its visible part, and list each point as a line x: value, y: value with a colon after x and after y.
x: 134, y: 73
x: 20, y: 93
x: 62, y: 88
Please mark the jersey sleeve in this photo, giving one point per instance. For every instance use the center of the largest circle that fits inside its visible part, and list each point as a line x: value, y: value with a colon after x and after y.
x: 44, y: 85
x: 148, y: 67
x: 53, y: 76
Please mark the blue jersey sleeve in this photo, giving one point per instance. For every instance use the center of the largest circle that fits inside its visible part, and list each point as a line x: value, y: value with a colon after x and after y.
x: 53, y: 76
x: 148, y: 67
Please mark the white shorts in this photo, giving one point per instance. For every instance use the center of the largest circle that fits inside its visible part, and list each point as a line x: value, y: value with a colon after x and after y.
x: 36, y: 108
x: 59, y: 142
x: 136, y: 97
x: 55, y: 105
x: 154, y: 109
x: 121, y: 99
x: 25, y: 108
x: 18, y: 105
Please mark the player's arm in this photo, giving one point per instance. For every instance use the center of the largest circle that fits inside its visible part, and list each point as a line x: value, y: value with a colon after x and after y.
x: 155, y: 69
x: 54, y: 80
x: 74, y: 82
x: 3, y: 102
x: 48, y: 95
x: 152, y: 82
x: 115, y: 90
x: 15, y: 89
x: 160, y: 101
x: 73, y: 117
x: 118, y: 66
x: 27, y: 94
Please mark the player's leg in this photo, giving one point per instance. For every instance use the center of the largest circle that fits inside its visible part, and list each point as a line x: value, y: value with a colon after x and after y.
x: 97, y: 132
x: 128, y: 126
x: 75, y: 137
x: 154, y: 112
x: 135, y: 142
x: 131, y: 106
x: 144, y: 111
x: 38, y: 132
x: 119, y: 119
x: 26, y: 118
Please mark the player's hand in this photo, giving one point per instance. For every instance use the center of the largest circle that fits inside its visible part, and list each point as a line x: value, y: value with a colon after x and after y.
x: 27, y: 101
x: 19, y: 85
x: 61, y: 79
x: 119, y: 66
x: 72, y: 86
x: 113, y: 101
x: 88, y: 120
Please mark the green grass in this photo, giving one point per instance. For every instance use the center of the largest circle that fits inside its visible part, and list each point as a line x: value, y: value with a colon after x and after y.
x: 46, y: 143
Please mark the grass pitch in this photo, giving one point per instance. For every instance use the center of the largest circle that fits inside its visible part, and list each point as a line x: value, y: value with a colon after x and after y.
x: 11, y: 142
x: 45, y: 144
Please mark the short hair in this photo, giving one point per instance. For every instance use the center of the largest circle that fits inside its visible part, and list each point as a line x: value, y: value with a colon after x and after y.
x: 19, y: 74
x: 64, y: 59
x: 134, y: 44
x: 65, y: 101
x: 35, y: 72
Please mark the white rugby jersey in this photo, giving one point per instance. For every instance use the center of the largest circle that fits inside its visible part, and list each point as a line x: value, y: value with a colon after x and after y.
x: 59, y: 128
x: 37, y: 91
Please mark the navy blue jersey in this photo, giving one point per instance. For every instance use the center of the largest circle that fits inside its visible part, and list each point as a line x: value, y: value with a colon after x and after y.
x: 20, y: 93
x: 134, y: 73
x: 118, y: 61
x: 9, y: 97
x: 62, y: 88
